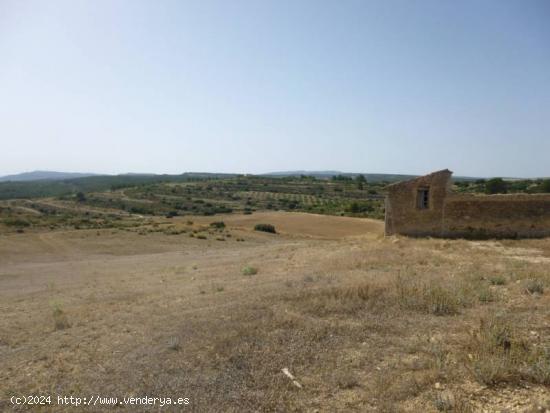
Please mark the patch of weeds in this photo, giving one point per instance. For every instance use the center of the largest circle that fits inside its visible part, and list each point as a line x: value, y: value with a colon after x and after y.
x: 344, y: 379
x: 60, y: 319
x: 439, y: 360
x: 538, y: 369
x: 217, y: 224
x: 497, y: 354
x: 174, y: 343
x: 446, y: 401
x: 249, y: 270
x: 534, y: 286
x: 497, y: 280
x: 340, y: 300
x: 485, y: 295
x: 430, y: 298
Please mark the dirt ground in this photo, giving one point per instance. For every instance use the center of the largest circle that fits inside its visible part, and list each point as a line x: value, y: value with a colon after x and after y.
x: 352, y: 315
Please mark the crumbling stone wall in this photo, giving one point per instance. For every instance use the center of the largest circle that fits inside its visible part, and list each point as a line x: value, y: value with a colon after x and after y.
x: 462, y: 215
x: 497, y: 216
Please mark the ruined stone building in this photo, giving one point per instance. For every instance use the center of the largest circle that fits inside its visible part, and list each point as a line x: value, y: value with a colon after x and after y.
x: 426, y: 206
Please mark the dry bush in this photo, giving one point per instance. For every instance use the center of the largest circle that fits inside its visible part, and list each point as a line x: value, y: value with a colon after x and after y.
x: 60, y: 319
x: 534, y: 286
x: 174, y: 343
x: 429, y: 297
x: 485, y: 294
x: 538, y: 365
x: 497, y: 280
x: 447, y: 401
x: 499, y: 354
x: 249, y: 270
x: 341, y: 300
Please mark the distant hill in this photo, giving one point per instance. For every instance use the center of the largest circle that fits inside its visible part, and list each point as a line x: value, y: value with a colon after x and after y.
x: 46, y: 187
x: 43, y: 175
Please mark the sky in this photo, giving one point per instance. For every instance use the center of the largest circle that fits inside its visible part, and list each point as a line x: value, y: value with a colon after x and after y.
x: 388, y: 86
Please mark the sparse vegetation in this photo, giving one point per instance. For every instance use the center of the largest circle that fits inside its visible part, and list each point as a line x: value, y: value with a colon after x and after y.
x: 402, y: 315
x: 218, y: 224
x: 174, y: 343
x: 265, y: 228
x: 249, y: 270
x: 534, y: 286
x: 497, y: 280
x: 60, y: 319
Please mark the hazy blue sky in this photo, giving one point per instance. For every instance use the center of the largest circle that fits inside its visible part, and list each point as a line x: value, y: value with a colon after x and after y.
x: 254, y: 86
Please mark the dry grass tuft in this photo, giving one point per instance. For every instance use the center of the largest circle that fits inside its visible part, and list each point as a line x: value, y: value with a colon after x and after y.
x: 249, y: 270
x: 60, y: 319
x: 446, y: 401
x: 341, y: 300
x: 534, y: 286
x: 500, y: 354
x: 432, y: 298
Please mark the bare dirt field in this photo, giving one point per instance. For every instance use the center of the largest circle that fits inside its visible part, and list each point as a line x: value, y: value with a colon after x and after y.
x: 363, y: 322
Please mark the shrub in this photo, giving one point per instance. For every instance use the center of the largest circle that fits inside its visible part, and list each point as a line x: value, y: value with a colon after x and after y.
x: 497, y: 354
x: 497, y: 280
x: 218, y: 224
x: 485, y: 295
x: 534, y: 286
x: 429, y: 298
x: 248, y: 270
x: 80, y: 197
x: 265, y: 228
x: 496, y: 186
x: 359, y: 207
x: 60, y: 319
x: 16, y: 222
x: 174, y: 343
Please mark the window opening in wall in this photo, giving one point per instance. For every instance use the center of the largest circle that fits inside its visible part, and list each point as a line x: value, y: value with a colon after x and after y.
x: 423, y: 198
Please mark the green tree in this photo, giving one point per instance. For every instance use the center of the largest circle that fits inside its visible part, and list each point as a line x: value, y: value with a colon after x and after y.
x: 496, y: 186
x: 361, y: 181
x: 80, y: 197
x: 545, y: 185
x: 361, y: 178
